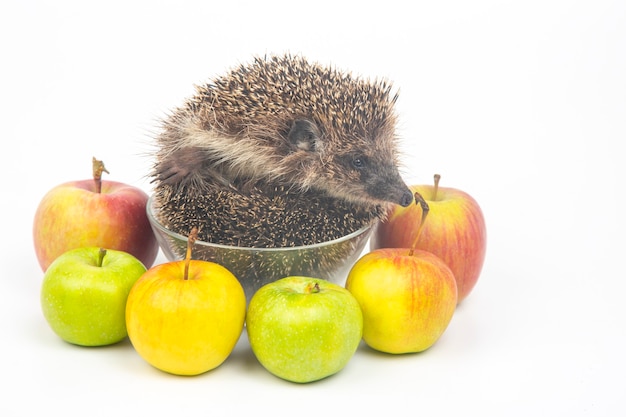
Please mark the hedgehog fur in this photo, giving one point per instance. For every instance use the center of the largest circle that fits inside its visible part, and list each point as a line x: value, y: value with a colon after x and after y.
x: 279, y: 152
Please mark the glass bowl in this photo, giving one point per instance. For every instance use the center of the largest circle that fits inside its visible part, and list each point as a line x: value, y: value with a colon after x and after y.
x: 255, y: 267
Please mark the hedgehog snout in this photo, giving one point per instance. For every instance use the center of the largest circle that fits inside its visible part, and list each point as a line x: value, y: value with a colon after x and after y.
x: 395, y: 192
x: 406, y: 198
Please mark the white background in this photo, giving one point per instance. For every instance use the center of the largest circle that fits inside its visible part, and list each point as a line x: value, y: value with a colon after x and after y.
x: 520, y: 103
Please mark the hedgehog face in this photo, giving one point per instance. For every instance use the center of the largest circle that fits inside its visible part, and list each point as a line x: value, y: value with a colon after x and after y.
x: 361, y: 169
x: 371, y: 178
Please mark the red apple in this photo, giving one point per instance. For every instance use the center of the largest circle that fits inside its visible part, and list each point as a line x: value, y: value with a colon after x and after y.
x: 455, y: 231
x: 88, y: 213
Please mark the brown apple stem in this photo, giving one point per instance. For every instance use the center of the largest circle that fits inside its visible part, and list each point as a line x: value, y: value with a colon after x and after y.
x: 101, y: 254
x: 424, y: 205
x: 193, y: 236
x: 437, y: 178
x: 97, y: 169
x: 315, y: 288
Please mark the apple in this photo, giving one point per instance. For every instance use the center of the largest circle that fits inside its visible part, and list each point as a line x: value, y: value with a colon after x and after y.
x: 185, y: 317
x: 303, y: 329
x: 455, y: 231
x: 88, y: 213
x: 408, y: 296
x: 83, y: 294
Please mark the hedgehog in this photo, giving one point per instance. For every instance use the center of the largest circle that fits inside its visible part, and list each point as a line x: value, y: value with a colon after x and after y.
x: 279, y: 152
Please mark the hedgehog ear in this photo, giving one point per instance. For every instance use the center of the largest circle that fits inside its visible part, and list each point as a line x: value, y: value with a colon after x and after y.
x: 304, y: 135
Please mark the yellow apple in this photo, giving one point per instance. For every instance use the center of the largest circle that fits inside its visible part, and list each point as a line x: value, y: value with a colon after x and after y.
x: 185, y: 317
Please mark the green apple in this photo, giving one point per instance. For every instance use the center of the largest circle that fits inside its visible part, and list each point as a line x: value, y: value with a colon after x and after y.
x: 185, y: 317
x: 303, y: 329
x: 93, y: 212
x: 408, y: 298
x: 84, y: 292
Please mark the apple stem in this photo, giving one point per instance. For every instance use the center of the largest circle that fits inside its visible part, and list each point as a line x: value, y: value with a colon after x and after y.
x: 425, y: 209
x: 101, y: 254
x: 437, y: 178
x: 315, y: 288
x: 97, y: 169
x: 191, y: 239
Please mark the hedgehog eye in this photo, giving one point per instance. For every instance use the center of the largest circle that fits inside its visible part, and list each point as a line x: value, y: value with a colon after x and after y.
x: 358, y: 162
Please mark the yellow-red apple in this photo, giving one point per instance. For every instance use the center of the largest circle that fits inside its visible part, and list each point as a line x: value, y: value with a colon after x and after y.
x: 93, y: 213
x: 455, y: 231
x: 407, y: 297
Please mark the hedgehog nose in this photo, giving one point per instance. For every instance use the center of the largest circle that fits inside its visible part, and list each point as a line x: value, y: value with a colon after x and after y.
x: 406, y: 199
